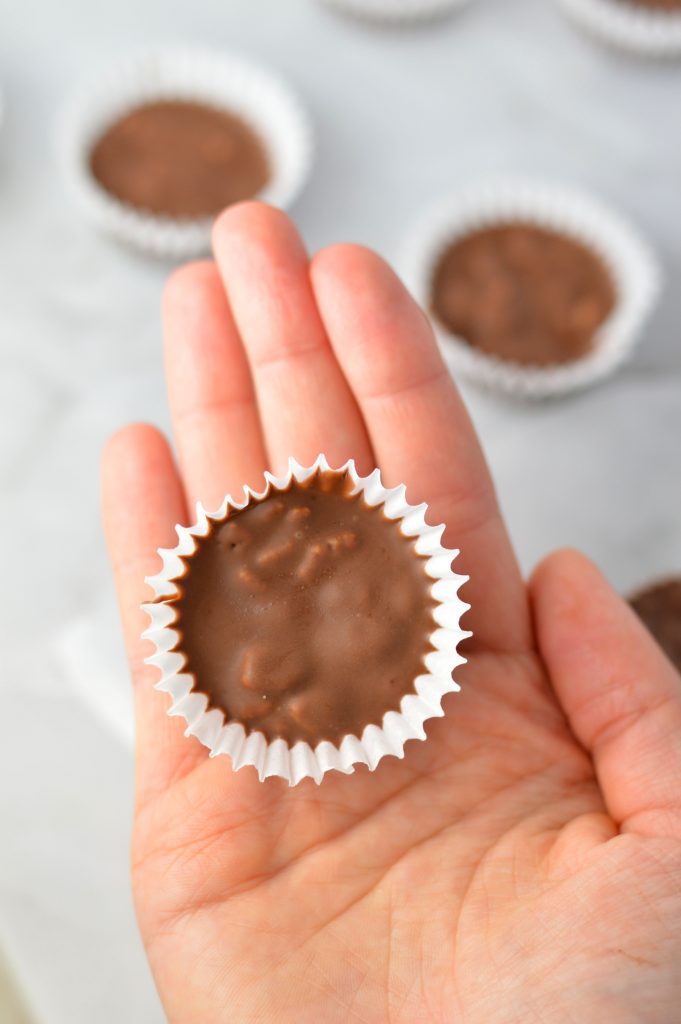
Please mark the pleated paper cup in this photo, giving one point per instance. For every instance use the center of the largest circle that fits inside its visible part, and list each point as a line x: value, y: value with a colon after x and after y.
x: 397, y: 10
x: 629, y: 26
x: 300, y: 760
x: 628, y: 258
x: 191, y: 75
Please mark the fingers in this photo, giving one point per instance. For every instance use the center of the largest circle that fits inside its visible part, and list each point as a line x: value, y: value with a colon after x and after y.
x: 619, y: 692
x: 142, y: 500
x: 419, y: 430
x: 306, y: 406
x: 212, y: 402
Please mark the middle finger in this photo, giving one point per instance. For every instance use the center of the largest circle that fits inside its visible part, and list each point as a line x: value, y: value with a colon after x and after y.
x: 306, y: 406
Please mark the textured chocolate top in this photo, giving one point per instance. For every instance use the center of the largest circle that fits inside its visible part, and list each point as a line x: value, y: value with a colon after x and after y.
x: 306, y: 615
x: 180, y: 159
x: 660, y: 609
x: 522, y: 294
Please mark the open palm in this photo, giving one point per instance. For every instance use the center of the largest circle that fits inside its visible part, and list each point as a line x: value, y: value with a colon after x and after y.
x: 524, y: 863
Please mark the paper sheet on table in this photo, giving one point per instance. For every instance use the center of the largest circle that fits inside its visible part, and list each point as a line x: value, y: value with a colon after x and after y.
x: 90, y: 654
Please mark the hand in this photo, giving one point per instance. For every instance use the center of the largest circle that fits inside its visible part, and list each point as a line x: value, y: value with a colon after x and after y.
x: 523, y: 864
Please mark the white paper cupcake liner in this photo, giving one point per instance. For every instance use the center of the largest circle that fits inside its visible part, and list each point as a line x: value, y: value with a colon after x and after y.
x: 628, y: 26
x: 301, y: 761
x: 397, y: 10
x: 211, y: 77
x: 629, y: 260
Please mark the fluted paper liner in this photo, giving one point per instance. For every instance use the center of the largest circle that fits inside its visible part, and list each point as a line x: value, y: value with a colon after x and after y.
x: 629, y: 260
x: 186, y: 74
x: 397, y: 10
x: 629, y: 26
x: 300, y: 760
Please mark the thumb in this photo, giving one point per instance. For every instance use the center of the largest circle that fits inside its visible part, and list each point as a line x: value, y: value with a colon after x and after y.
x: 620, y: 694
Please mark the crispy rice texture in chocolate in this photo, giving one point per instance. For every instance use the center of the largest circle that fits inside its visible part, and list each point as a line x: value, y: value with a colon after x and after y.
x: 307, y: 615
x: 180, y: 159
x: 660, y: 608
x: 522, y: 294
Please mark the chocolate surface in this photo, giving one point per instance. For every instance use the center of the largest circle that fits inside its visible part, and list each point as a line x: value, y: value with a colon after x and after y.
x: 180, y: 159
x: 306, y: 615
x: 522, y: 294
x: 660, y: 608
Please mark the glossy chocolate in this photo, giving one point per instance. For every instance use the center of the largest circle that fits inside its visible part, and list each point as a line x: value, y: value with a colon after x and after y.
x: 522, y: 294
x: 180, y: 159
x: 307, y: 615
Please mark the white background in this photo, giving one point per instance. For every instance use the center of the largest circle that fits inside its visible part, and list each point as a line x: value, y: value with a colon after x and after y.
x: 401, y: 116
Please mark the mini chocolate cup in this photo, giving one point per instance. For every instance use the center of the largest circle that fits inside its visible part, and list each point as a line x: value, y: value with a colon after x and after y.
x: 627, y: 257
x: 218, y: 80
x: 628, y: 26
x: 301, y: 760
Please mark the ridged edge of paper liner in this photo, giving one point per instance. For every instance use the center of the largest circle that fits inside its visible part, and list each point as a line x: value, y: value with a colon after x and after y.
x: 192, y: 74
x: 629, y: 260
x: 628, y: 26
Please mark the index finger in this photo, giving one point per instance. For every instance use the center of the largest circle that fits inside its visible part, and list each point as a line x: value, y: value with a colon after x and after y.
x: 142, y: 500
x: 420, y: 430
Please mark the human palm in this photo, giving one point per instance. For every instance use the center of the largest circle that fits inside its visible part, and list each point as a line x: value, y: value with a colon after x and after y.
x: 524, y: 863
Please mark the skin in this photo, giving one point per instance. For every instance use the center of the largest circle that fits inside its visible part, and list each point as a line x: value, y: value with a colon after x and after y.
x: 523, y: 864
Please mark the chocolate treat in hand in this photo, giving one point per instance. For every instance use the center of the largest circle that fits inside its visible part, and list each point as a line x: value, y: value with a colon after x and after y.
x: 307, y: 614
x: 523, y: 294
x: 659, y: 607
x: 180, y: 159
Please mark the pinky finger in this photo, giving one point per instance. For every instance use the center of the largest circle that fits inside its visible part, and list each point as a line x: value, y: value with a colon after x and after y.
x: 620, y: 694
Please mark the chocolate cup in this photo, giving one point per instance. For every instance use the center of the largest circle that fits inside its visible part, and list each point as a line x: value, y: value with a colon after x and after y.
x: 633, y: 268
x: 301, y: 760
x: 194, y: 75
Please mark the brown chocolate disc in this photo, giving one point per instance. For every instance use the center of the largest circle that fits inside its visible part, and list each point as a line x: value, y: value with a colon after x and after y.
x: 522, y: 294
x: 307, y: 615
x: 660, y: 608
x: 180, y: 159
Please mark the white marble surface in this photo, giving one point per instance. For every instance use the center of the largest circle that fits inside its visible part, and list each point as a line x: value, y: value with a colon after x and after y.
x: 401, y: 116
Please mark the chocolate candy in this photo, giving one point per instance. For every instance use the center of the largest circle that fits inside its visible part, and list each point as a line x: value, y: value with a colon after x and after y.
x: 180, y: 159
x: 306, y: 615
x: 522, y: 294
x: 660, y: 609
